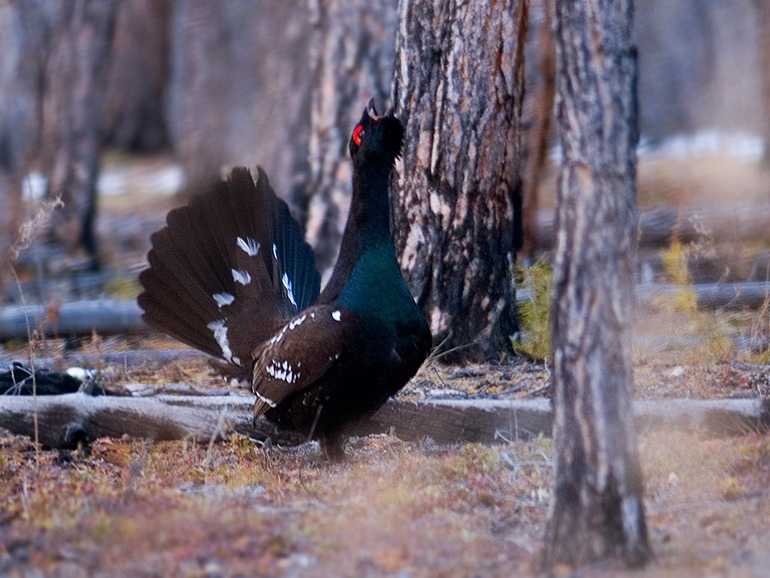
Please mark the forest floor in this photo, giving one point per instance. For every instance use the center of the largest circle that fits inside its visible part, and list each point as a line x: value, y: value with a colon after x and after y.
x: 137, y: 508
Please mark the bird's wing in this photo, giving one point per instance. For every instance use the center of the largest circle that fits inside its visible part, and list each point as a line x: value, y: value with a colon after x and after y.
x: 298, y: 355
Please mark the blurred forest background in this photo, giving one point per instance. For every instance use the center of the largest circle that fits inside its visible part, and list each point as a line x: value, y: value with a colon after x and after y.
x: 121, y: 108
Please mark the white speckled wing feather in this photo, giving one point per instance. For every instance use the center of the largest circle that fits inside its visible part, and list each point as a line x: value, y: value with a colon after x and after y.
x: 297, y: 355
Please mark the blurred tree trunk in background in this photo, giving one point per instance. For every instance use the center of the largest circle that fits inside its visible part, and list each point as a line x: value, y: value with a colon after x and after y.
x: 69, y: 45
x: 351, y: 60
x: 239, y: 88
x: 763, y: 14
x: 596, y: 512
x: 458, y: 88
x: 540, y: 82
x: 198, y: 91
x: 17, y: 129
x: 134, y: 109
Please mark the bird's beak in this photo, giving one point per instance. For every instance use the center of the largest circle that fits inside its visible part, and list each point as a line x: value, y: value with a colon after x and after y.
x: 371, y: 111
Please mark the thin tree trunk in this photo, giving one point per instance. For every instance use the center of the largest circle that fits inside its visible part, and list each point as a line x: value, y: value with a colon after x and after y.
x: 763, y: 13
x: 351, y: 61
x: 198, y: 89
x: 16, y: 132
x: 458, y: 88
x: 597, y: 510
x: 134, y: 109
x: 72, y: 42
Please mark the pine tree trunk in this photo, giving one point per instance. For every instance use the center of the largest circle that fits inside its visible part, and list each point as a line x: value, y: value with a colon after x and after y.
x: 351, y: 61
x: 71, y: 42
x: 597, y: 510
x: 536, y: 118
x: 458, y: 88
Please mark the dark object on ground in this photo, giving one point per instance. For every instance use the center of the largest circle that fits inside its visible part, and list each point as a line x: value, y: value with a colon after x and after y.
x: 20, y: 380
x: 232, y: 276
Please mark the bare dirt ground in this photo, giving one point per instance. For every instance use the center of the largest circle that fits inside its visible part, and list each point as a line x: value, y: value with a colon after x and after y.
x: 138, y: 508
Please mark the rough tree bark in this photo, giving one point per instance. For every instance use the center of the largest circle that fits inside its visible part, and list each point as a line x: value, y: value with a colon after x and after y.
x: 597, y: 510
x: 458, y: 88
x: 70, y: 43
x: 351, y: 61
x: 536, y: 118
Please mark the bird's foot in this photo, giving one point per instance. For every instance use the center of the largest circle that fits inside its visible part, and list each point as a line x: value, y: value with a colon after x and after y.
x: 331, y: 447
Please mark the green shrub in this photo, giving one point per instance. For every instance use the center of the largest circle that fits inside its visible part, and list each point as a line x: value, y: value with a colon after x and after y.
x: 534, y: 339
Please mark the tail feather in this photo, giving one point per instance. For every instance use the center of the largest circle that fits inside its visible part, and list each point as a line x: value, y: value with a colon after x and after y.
x: 228, y: 269
x: 186, y: 330
x: 301, y: 284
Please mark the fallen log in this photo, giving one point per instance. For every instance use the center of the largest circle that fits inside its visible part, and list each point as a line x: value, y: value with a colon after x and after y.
x: 749, y: 295
x: 129, y: 358
x: 63, y: 421
x: 105, y: 317
x: 108, y: 317
x: 658, y: 225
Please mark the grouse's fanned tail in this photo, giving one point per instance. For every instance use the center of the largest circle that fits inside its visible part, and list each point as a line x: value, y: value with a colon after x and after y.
x: 228, y: 269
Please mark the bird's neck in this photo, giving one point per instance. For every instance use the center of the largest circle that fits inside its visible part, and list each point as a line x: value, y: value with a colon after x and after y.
x: 368, y: 226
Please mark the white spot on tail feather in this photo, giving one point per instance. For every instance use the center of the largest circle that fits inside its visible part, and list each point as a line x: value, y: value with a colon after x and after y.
x: 223, y: 299
x: 219, y: 328
x: 241, y: 277
x: 249, y: 245
x: 336, y: 315
x: 275, y: 251
x: 289, y: 289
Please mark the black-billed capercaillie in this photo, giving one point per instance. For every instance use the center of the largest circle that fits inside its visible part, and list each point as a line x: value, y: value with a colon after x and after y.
x: 231, y: 275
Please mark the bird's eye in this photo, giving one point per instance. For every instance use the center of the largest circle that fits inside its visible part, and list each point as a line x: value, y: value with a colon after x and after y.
x: 358, y: 133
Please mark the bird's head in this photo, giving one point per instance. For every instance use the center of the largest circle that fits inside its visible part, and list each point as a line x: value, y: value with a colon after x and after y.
x: 376, y: 139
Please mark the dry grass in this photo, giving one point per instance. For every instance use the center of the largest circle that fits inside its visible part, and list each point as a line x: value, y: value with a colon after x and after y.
x: 252, y: 511
x: 133, y: 508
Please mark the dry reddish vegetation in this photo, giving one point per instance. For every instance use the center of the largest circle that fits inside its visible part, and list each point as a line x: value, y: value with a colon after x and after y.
x: 135, y: 508
x: 138, y: 508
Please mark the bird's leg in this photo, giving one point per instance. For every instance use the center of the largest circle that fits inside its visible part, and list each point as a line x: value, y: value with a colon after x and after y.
x: 331, y: 446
